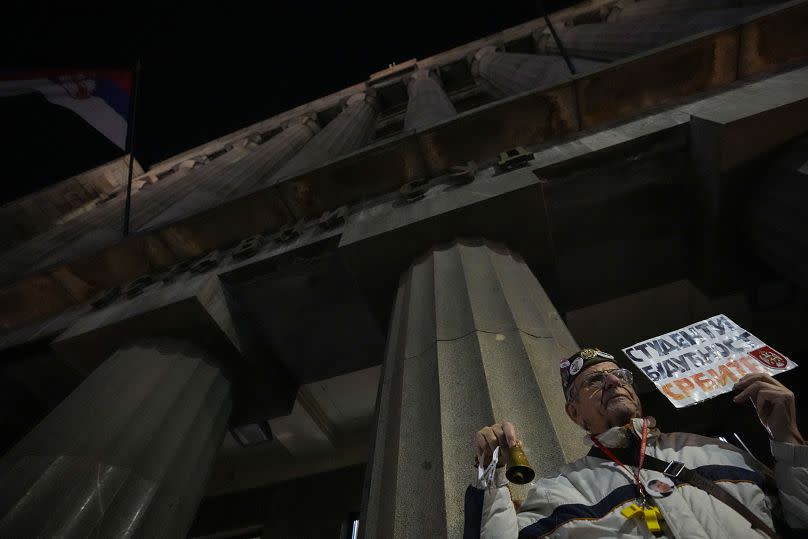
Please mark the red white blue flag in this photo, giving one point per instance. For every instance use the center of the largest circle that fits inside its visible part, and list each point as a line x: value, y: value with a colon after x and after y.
x: 101, y: 97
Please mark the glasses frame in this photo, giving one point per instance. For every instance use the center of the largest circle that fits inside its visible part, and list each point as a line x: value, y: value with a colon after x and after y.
x: 626, y: 379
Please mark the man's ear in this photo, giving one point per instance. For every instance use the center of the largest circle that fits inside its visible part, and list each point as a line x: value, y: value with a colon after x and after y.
x: 572, y: 411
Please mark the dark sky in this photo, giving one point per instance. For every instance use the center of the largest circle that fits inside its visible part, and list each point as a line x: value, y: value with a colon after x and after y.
x: 210, y: 67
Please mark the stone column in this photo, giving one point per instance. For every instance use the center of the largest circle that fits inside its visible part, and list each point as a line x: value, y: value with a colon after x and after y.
x: 194, y: 187
x: 428, y: 104
x: 628, y: 35
x: 126, y: 454
x: 254, y: 173
x: 508, y: 73
x: 244, y: 168
x: 349, y: 131
x: 473, y: 340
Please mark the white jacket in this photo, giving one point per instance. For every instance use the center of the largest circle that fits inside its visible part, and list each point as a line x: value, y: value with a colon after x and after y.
x: 585, y: 499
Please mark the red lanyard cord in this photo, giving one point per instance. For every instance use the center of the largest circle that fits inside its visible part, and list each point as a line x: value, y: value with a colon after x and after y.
x: 640, y: 462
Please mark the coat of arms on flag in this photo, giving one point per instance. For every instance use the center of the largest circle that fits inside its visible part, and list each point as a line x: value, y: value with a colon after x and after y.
x: 101, y: 97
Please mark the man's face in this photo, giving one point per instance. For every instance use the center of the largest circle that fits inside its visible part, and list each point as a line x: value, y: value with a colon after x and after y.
x: 600, y: 405
x: 660, y: 486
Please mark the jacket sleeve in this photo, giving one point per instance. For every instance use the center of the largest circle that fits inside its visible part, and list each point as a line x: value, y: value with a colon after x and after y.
x: 489, y: 512
x: 493, y: 514
x: 791, y: 475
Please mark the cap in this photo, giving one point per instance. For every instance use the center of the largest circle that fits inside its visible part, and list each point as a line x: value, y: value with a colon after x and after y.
x: 573, y: 365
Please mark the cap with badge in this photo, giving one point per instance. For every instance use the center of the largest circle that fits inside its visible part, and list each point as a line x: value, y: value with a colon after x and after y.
x: 573, y: 365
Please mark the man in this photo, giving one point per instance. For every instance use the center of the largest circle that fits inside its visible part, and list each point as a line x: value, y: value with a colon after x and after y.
x: 660, y: 488
x: 602, y: 495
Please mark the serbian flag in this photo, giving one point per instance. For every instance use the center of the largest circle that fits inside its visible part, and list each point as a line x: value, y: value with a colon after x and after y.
x: 101, y: 97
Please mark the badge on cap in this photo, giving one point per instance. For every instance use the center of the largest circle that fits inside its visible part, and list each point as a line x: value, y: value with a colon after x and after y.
x: 588, y: 353
x: 591, y: 353
x: 660, y: 488
x: 576, y: 365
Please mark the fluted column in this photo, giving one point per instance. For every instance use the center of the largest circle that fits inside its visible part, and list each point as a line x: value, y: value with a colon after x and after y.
x: 352, y: 129
x: 251, y: 174
x: 510, y: 73
x: 428, y: 104
x: 126, y: 454
x: 629, y: 35
x: 191, y: 189
x: 243, y: 169
x: 473, y: 339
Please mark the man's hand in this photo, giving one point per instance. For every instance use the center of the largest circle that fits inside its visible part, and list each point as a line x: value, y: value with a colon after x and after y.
x: 774, y: 404
x: 488, y: 438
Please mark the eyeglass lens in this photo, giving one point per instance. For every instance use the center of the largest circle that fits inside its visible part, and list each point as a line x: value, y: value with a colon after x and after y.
x: 596, y: 379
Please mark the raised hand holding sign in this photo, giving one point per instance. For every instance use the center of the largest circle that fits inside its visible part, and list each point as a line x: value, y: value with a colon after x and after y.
x: 774, y: 404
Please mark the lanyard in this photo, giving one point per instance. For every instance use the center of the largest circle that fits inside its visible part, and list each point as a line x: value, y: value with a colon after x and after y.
x: 636, y: 476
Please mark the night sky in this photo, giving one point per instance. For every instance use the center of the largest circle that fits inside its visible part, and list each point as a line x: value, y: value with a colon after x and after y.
x: 210, y: 67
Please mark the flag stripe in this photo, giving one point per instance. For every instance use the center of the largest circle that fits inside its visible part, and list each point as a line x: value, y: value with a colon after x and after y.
x: 101, y: 97
x: 111, y: 92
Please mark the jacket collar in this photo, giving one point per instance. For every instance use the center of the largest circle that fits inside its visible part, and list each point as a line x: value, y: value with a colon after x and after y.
x: 623, y: 436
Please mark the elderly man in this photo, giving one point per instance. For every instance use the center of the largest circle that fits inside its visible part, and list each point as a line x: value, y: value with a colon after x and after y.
x: 711, y: 489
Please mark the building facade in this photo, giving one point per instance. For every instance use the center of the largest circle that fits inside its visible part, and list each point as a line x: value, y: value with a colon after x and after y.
x: 314, y: 314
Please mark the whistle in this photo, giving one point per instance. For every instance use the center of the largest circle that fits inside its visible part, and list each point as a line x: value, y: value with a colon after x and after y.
x: 519, y: 470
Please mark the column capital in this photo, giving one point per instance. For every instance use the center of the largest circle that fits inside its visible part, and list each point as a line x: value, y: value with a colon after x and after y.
x: 612, y: 12
x: 382, y: 241
x: 476, y: 57
x: 186, y: 164
x: 309, y: 120
x: 484, y: 51
x: 540, y: 39
x: 367, y: 96
x: 421, y: 74
x: 241, y: 143
x: 194, y: 310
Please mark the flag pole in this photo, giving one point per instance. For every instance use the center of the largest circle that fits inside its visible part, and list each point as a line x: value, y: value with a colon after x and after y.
x: 130, y: 144
x: 556, y: 38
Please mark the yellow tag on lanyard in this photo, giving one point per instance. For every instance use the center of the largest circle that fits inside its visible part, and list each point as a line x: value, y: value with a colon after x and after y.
x: 631, y: 511
x: 651, y: 515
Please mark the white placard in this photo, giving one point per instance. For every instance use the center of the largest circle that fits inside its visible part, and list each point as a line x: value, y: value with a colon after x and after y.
x: 704, y: 360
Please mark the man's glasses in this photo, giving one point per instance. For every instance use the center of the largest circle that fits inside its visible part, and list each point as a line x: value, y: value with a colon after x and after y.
x: 594, y: 381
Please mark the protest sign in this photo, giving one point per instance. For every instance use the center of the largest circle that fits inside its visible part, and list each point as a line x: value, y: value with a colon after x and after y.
x: 704, y: 360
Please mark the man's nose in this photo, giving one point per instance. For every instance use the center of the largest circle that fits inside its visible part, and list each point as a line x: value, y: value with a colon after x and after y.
x: 610, y: 381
